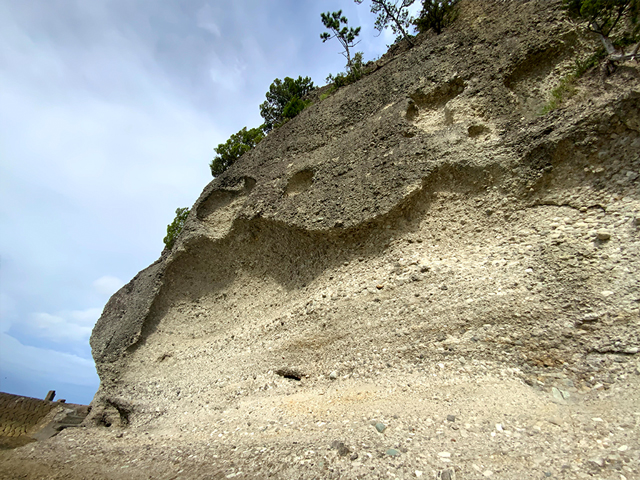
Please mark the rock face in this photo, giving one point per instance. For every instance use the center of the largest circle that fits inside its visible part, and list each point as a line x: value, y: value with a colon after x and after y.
x: 421, y: 245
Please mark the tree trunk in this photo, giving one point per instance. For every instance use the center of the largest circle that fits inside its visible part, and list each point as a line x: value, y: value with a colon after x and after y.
x: 389, y: 14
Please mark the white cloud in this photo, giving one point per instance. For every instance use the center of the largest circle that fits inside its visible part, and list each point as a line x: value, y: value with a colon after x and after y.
x: 64, y: 327
x: 230, y: 75
x: 205, y: 21
x: 107, y: 285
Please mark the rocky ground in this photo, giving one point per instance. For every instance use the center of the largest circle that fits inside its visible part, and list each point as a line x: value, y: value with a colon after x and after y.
x: 420, y: 276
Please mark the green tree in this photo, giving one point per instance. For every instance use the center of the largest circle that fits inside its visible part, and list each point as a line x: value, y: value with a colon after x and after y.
x: 603, y: 16
x: 175, y: 227
x: 285, y: 100
x: 436, y: 15
x: 345, y: 35
x: 237, y: 145
x: 390, y: 14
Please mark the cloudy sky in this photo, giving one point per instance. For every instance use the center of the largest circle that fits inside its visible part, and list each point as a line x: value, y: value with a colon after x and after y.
x: 109, y: 112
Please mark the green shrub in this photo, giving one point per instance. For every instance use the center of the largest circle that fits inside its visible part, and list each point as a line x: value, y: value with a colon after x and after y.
x: 582, y: 66
x: 287, y: 94
x: 175, y: 227
x: 294, y: 107
x: 355, y: 73
x: 325, y: 95
x: 566, y: 87
x: 237, y: 145
x: 436, y: 15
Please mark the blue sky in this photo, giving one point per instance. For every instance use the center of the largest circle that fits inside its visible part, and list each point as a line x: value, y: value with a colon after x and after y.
x: 110, y: 110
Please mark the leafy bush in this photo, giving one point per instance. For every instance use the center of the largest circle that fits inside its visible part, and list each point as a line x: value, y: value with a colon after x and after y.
x: 582, y: 66
x: 294, y: 107
x: 285, y: 100
x: 436, y: 15
x: 237, y: 145
x: 566, y: 88
x: 326, y: 94
x: 175, y: 227
x: 355, y: 73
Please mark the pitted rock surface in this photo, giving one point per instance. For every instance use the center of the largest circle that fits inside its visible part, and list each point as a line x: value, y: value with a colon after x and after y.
x: 422, y: 245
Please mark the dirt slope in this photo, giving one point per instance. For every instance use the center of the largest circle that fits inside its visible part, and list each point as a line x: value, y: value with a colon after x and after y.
x: 419, y: 276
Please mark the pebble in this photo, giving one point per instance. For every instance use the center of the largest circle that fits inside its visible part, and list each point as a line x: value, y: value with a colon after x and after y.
x: 451, y: 418
x: 381, y: 427
x: 444, y: 455
x: 340, y: 446
x: 392, y: 452
x: 333, y: 375
x: 560, y: 394
x: 447, y: 474
x: 597, y: 462
x: 603, y: 235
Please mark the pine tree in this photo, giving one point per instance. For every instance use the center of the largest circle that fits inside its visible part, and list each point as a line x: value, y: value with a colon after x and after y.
x: 436, y: 15
x: 236, y: 146
x: 285, y: 99
x: 390, y: 14
x: 175, y: 227
x: 345, y: 35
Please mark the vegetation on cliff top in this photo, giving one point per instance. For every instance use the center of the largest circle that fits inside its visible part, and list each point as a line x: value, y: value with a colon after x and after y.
x: 175, y: 227
x: 436, y: 15
x: 237, y: 145
x: 285, y: 100
x: 390, y: 14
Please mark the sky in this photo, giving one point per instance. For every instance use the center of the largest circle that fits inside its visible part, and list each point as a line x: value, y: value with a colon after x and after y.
x: 109, y: 113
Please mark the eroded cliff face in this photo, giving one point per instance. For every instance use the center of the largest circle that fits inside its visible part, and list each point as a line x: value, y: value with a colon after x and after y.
x: 423, y: 232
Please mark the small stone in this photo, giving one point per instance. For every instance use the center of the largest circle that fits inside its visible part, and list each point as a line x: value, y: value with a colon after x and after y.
x: 379, y: 287
x: 597, y: 462
x: 342, y: 449
x: 451, y: 418
x: 333, y: 375
x: 623, y: 448
x: 392, y: 452
x: 381, y: 427
x: 418, y: 473
x: 354, y: 457
x: 603, y: 235
x: 444, y: 455
x: 447, y: 474
x: 560, y: 394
